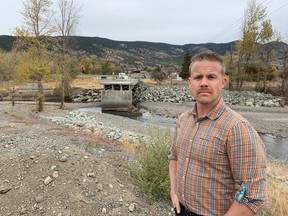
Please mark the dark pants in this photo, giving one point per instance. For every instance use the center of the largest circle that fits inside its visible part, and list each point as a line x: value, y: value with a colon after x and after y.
x: 185, y: 212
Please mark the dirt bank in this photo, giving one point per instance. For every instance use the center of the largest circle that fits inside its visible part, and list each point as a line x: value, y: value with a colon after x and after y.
x: 47, y: 169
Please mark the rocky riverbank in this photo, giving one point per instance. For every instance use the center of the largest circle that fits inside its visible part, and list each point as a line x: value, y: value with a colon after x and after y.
x: 51, y: 169
x: 55, y: 162
x: 267, y: 113
x: 266, y: 120
x: 181, y: 94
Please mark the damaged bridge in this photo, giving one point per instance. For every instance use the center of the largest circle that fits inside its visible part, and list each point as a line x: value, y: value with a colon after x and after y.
x: 117, y: 94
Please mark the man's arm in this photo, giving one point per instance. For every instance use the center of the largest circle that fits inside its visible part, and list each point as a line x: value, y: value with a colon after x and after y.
x: 237, y: 209
x: 246, y: 152
x: 172, y: 174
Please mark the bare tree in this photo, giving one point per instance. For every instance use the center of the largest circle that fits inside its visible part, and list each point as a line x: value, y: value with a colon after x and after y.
x: 37, y: 17
x: 66, y: 26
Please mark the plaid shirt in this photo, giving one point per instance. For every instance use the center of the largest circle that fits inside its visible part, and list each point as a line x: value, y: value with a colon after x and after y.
x: 215, y: 156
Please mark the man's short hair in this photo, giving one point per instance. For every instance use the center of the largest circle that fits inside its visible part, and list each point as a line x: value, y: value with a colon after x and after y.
x: 208, y: 56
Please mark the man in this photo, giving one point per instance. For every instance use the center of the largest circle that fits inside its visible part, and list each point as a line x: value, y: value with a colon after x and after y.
x: 217, y: 160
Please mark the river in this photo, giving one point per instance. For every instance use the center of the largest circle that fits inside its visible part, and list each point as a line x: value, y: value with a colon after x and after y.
x: 276, y: 147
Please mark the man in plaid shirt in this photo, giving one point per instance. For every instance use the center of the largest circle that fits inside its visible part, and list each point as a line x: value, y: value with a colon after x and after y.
x: 217, y: 160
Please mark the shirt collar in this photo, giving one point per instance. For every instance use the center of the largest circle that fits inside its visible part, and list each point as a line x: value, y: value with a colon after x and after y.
x: 214, y: 113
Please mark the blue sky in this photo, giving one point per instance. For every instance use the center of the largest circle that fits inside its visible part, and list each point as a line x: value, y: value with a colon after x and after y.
x: 168, y: 21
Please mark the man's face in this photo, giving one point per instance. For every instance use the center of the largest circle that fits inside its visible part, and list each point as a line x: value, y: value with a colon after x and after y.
x: 206, y: 82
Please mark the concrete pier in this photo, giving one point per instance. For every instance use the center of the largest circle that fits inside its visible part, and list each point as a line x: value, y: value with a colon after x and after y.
x: 117, y: 94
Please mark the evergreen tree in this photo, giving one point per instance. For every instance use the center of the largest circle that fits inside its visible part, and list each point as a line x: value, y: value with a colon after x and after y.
x: 184, y: 73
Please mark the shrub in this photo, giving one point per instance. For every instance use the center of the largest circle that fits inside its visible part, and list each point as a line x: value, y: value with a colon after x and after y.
x: 152, y: 172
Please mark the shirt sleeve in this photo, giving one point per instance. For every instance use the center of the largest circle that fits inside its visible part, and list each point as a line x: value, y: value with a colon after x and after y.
x: 246, y: 153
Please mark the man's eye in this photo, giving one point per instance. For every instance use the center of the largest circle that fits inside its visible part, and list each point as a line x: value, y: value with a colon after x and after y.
x: 212, y: 77
x: 197, y: 78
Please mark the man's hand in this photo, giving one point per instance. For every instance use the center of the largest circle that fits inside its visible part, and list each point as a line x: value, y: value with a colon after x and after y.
x: 237, y: 209
x: 175, y: 203
x: 173, y: 195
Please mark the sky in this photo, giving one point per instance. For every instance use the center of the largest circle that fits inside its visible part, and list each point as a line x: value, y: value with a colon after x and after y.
x: 176, y: 22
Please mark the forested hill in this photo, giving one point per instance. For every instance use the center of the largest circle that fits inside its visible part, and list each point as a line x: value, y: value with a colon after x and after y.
x: 132, y: 53
x: 136, y: 53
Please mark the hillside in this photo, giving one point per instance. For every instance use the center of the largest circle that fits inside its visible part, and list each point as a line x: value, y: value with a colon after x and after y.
x: 139, y: 53
x: 134, y: 53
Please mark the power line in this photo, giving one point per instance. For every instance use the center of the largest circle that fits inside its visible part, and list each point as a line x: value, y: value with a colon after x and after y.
x: 278, y: 9
x: 228, y: 29
x: 235, y: 24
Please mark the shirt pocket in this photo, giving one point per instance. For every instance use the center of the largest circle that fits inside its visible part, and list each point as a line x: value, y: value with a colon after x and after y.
x: 209, y: 149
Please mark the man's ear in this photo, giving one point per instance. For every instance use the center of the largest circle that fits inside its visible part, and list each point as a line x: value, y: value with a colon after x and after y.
x: 224, y: 81
x: 189, y: 81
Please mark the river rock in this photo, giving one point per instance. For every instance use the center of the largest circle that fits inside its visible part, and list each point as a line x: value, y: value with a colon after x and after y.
x: 181, y: 94
x: 5, y: 188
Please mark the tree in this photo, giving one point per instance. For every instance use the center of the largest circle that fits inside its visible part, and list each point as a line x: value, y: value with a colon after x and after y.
x: 93, y: 62
x: 7, y: 65
x: 107, y: 67
x: 32, y: 37
x: 229, y: 60
x: 253, y: 30
x: 184, y: 73
x: 86, y: 65
x: 266, y: 50
x: 284, y: 74
x: 72, y: 66
x: 158, y: 74
x: 8, y: 62
x: 66, y: 25
x: 169, y: 71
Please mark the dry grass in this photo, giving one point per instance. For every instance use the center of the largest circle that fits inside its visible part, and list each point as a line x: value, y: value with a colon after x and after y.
x: 130, y: 147
x: 149, y: 81
x: 81, y: 82
x: 86, y: 82
x: 277, y: 188
x: 96, y: 141
x: 277, y: 198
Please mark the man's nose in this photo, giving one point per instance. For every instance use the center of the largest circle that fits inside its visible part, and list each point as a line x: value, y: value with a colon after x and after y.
x: 204, y: 82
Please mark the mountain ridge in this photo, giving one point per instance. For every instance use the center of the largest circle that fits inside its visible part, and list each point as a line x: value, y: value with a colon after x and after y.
x: 136, y: 53
x: 144, y: 53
